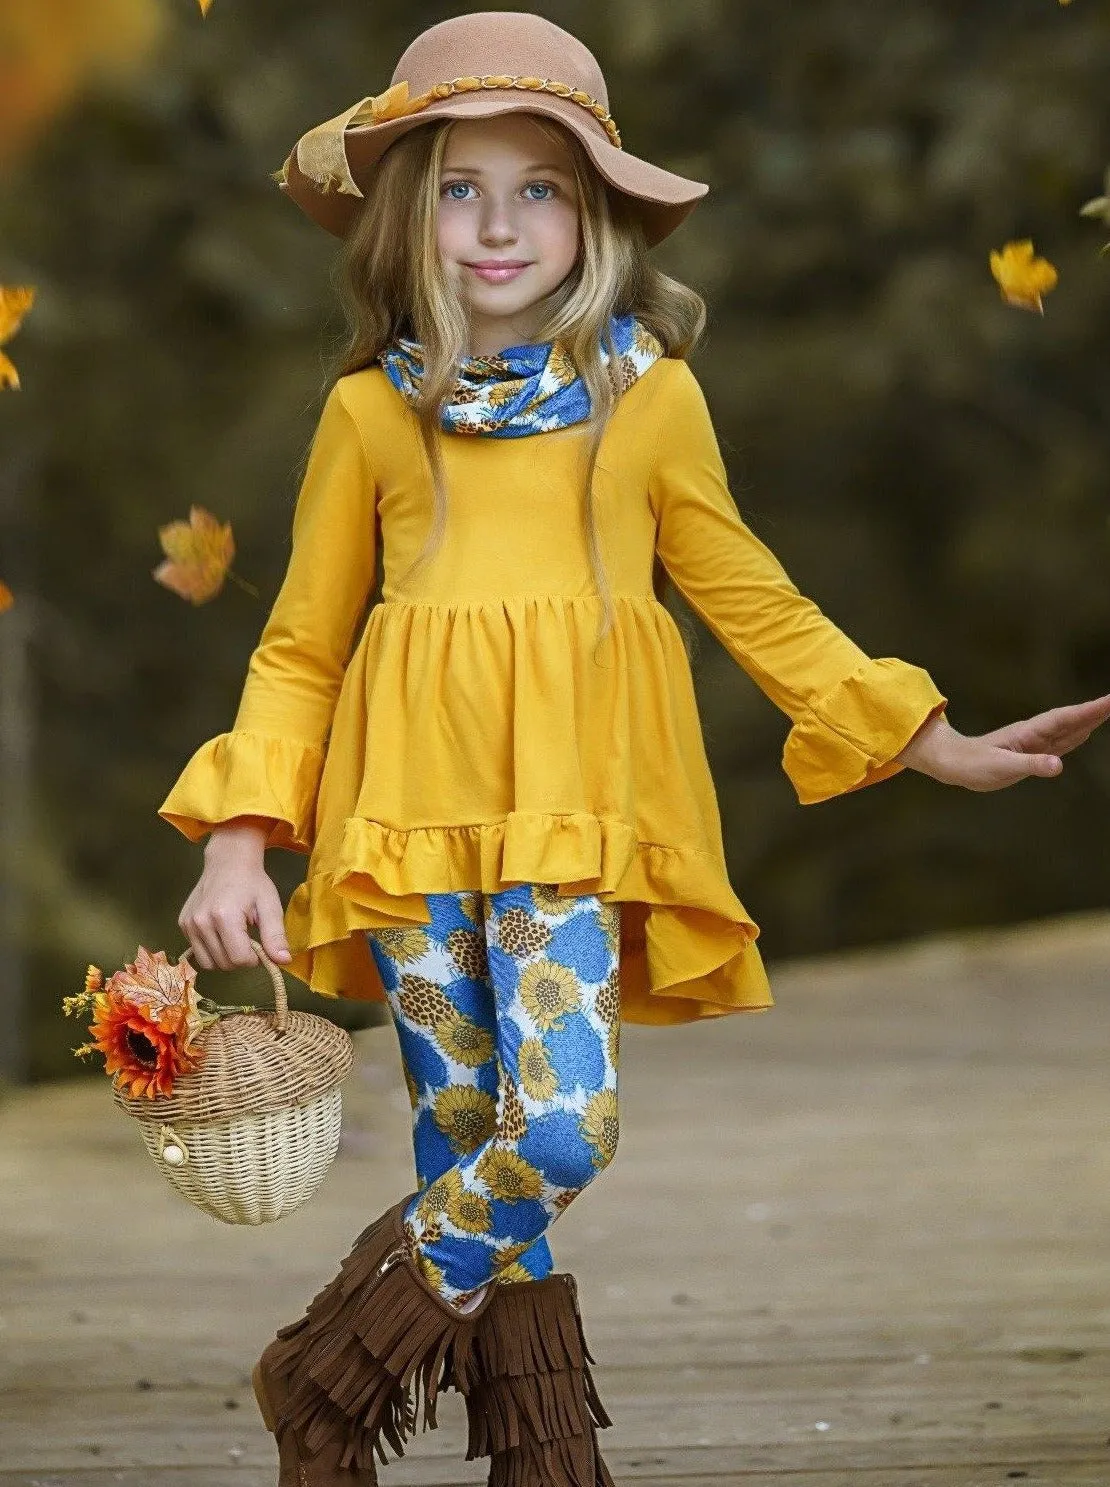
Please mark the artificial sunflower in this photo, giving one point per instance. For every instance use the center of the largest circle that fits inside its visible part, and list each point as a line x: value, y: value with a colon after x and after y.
x: 549, y: 991
x: 142, y: 1051
x: 146, y: 1020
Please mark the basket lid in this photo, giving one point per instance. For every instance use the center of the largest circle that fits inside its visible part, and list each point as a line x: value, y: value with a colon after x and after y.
x: 253, y: 1062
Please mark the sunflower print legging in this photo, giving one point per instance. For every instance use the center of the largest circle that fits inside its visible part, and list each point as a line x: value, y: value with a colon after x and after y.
x: 507, y: 1010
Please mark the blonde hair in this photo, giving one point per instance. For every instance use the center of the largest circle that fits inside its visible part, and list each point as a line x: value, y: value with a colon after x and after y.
x: 391, y: 282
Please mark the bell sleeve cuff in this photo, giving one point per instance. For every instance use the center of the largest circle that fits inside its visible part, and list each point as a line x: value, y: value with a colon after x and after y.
x: 249, y: 774
x: 850, y: 737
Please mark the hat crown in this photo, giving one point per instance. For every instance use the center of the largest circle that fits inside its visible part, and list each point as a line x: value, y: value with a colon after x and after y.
x: 495, y: 42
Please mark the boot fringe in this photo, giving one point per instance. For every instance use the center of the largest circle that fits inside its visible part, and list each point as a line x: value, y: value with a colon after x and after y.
x: 573, y: 1463
x: 510, y: 1412
x: 532, y: 1405
x: 374, y: 1344
x: 537, y: 1331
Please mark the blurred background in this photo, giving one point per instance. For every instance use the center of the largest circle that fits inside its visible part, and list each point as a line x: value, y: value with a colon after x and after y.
x: 929, y: 462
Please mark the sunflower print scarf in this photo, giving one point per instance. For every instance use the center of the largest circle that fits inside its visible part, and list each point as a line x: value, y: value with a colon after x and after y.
x: 526, y: 389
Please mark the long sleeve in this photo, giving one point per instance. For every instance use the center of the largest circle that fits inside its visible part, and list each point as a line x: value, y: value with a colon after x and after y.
x: 270, y: 762
x: 851, y: 714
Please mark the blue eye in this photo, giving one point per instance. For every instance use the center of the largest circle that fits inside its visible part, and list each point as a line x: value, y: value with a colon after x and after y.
x: 545, y: 185
x: 450, y: 187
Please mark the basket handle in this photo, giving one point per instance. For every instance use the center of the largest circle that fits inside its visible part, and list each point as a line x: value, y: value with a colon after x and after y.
x: 281, y: 996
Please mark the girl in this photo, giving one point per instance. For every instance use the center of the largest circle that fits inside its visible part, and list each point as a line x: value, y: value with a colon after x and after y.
x: 502, y: 787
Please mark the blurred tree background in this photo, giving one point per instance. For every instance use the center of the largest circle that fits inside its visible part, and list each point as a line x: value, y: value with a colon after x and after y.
x: 929, y: 463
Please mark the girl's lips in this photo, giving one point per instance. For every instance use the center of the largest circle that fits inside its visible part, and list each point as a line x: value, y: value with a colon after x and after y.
x: 497, y: 275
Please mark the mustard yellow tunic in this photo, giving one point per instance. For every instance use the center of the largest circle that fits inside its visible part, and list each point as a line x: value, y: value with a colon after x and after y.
x: 471, y: 739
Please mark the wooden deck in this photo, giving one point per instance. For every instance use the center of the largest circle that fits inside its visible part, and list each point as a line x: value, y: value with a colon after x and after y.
x: 862, y: 1238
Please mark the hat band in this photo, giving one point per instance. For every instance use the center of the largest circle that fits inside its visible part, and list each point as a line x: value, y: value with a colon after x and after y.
x: 395, y: 102
x: 321, y: 153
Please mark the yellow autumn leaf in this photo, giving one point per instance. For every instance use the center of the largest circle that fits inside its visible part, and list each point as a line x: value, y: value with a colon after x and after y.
x: 7, y: 598
x: 1022, y: 278
x: 14, y: 304
x: 206, y: 5
x: 198, y: 555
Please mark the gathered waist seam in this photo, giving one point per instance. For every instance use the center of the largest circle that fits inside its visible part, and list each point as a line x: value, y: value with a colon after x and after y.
x: 505, y: 600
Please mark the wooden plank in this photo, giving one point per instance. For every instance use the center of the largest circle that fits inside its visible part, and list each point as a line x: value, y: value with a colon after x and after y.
x: 880, y: 1208
x: 1043, y: 1474
x: 833, y: 1416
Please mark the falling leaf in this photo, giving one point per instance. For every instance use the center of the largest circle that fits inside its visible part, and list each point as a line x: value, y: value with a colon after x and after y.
x: 7, y: 598
x: 1021, y: 277
x: 14, y: 304
x: 206, y: 5
x: 1099, y: 206
x: 198, y: 555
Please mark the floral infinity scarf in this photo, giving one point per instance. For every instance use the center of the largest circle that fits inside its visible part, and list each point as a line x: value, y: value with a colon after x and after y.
x: 526, y: 389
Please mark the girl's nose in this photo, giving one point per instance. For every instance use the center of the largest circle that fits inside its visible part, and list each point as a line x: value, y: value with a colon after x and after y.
x: 498, y: 223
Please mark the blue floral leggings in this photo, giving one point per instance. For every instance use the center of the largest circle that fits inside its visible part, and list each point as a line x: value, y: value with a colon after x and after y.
x: 507, y: 1009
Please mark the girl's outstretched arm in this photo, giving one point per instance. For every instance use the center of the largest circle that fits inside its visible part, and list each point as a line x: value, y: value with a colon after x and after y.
x: 852, y: 714
x: 990, y: 761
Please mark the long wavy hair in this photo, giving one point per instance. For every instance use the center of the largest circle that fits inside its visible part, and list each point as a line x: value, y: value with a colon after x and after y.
x: 391, y: 282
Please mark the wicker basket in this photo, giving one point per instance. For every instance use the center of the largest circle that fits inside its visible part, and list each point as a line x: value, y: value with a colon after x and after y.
x: 249, y: 1136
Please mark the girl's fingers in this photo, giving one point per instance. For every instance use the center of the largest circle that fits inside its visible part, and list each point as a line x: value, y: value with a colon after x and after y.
x: 209, y: 949
x: 1048, y: 765
x: 1042, y: 766
x: 1010, y: 767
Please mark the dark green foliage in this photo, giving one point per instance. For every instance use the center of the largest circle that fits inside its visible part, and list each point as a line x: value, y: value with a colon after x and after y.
x: 929, y: 463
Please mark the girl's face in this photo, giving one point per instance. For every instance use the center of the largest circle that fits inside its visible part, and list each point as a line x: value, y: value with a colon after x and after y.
x: 507, y: 197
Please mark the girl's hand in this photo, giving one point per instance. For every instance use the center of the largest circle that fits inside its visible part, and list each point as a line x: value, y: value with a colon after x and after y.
x: 233, y: 892
x: 1019, y: 751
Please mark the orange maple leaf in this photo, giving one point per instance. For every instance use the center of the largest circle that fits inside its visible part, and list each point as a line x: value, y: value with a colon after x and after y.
x: 7, y: 598
x: 1022, y: 278
x: 198, y: 555
x: 14, y: 304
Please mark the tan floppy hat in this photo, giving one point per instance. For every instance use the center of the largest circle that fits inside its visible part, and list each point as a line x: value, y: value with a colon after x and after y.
x: 473, y: 67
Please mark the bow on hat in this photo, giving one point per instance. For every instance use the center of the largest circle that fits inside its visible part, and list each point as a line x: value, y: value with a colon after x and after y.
x: 320, y: 152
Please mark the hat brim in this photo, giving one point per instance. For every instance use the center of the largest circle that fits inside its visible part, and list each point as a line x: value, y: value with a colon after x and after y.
x: 662, y: 198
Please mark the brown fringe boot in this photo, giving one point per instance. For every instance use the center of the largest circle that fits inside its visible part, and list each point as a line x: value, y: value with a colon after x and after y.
x: 349, y: 1374
x: 531, y: 1402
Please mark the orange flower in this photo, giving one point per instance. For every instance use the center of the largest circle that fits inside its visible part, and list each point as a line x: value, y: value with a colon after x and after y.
x: 1021, y: 277
x: 198, y: 555
x: 145, y: 1022
x: 143, y: 1052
